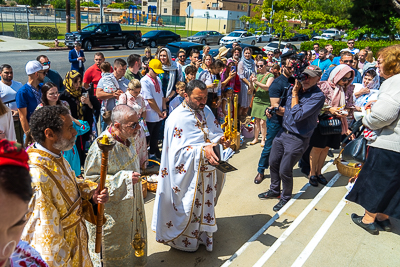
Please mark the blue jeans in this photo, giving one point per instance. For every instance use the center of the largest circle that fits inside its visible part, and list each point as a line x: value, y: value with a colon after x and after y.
x: 272, y: 131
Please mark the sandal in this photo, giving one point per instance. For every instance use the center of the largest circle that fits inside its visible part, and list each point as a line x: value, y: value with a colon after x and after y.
x: 253, y: 142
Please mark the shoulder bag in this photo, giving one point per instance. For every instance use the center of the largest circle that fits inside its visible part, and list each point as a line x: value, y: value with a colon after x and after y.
x: 329, y: 124
x: 355, y: 150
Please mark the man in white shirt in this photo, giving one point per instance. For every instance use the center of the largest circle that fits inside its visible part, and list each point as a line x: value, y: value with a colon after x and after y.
x: 8, y: 91
x: 156, y: 109
x: 119, y: 72
x: 350, y: 47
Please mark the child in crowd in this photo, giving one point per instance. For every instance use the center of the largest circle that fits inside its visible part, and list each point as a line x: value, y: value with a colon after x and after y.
x: 110, y: 86
x: 223, y: 108
x: 190, y: 73
x: 180, y: 90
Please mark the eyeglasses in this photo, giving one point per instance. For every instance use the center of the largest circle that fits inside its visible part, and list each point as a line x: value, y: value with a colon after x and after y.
x: 133, y: 126
x: 270, y: 54
x: 350, y: 43
x: 348, y: 61
x: 346, y: 79
x: 46, y: 63
x: 260, y: 66
x: 182, y: 56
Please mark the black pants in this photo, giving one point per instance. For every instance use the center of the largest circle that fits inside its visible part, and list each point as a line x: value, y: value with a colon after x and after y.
x: 286, y: 151
x: 154, y: 129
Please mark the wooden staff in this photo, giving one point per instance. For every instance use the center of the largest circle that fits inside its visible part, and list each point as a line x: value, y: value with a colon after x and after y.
x: 105, y: 146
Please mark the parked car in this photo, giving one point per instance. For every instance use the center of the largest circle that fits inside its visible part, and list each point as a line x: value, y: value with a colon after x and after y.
x: 300, y: 37
x: 274, y: 45
x: 187, y: 46
x: 240, y: 37
x: 206, y: 37
x: 256, y: 50
x: 316, y: 38
x: 333, y: 34
x: 263, y: 37
x: 159, y: 37
x: 103, y: 34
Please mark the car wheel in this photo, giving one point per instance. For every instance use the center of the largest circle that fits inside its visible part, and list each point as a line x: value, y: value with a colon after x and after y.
x: 253, y: 42
x: 153, y: 44
x: 88, y: 45
x: 259, y: 40
x: 130, y: 44
x: 203, y: 42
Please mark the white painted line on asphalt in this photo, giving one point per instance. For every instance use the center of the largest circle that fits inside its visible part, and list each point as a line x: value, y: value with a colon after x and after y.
x: 320, y: 234
x: 272, y: 220
x: 295, y: 223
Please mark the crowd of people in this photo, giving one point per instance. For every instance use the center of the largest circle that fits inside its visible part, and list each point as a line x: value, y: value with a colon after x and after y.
x: 142, y: 102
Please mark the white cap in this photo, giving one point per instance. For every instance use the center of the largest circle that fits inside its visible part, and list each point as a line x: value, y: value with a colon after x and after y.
x: 32, y: 67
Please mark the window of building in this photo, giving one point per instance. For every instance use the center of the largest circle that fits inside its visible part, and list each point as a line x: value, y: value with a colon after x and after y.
x: 177, y: 12
x: 165, y: 10
x: 238, y: 6
x: 242, y: 7
x: 189, y: 3
x: 165, y: 0
x: 214, y: 4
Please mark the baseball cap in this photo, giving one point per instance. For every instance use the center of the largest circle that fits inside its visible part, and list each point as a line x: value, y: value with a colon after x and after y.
x: 276, y: 51
x: 156, y: 66
x: 32, y: 67
x: 313, y: 71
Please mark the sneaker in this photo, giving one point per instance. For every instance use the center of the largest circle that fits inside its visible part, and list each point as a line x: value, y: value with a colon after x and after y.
x: 268, y: 194
x: 280, y: 205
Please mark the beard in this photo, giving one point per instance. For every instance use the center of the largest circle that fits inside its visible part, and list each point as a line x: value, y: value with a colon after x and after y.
x: 63, y: 144
x: 194, y: 106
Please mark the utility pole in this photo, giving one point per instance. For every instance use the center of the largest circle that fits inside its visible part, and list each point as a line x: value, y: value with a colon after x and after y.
x: 68, y: 15
x: 248, y: 13
x: 78, y: 15
x: 101, y: 11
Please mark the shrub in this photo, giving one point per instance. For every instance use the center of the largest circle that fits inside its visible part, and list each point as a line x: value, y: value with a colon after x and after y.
x: 89, y: 4
x: 337, y: 46
x: 124, y: 5
x: 12, y: 4
x: 36, y: 32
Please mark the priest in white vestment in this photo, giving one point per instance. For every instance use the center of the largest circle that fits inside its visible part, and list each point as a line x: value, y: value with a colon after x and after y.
x: 188, y: 183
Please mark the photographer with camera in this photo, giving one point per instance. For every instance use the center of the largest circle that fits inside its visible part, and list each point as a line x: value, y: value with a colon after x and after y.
x: 303, y: 104
x: 277, y: 91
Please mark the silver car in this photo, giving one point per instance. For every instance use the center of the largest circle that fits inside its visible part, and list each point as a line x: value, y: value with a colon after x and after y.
x: 206, y: 37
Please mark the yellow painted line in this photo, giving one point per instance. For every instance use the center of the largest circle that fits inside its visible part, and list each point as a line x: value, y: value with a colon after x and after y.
x: 122, y: 56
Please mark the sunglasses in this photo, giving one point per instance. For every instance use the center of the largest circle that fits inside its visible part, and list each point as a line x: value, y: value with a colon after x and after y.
x: 46, y: 63
x: 348, y: 61
x: 350, y: 42
x: 182, y: 56
x: 346, y: 79
x: 133, y: 126
x: 260, y: 66
x: 270, y: 54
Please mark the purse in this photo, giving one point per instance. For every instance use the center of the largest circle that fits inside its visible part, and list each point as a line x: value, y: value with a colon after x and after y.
x: 356, y: 150
x: 329, y: 124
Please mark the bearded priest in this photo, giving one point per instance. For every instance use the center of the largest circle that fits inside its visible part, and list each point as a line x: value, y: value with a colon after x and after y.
x: 188, y: 183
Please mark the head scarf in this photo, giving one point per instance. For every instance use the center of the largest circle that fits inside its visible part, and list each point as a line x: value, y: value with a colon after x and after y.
x: 338, y: 97
x: 249, y: 65
x: 69, y: 87
x: 375, y: 83
x: 11, y: 153
x: 172, y: 71
x: 373, y: 86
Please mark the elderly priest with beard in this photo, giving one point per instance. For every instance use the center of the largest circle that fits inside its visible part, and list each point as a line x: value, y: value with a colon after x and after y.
x: 188, y: 183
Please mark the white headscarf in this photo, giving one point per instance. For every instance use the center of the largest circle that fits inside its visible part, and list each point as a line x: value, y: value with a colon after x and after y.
x: 172, y: 71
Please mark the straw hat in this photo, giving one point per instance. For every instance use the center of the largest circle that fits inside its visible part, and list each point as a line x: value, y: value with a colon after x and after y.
x: 222, y: 51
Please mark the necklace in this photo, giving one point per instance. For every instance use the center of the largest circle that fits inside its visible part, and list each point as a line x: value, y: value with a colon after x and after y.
x: 201, y: 124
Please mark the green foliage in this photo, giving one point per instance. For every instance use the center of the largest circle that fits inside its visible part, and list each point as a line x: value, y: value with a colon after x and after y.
x: 2, y: 2
x: 12, y: 4
x: 60, y: 4
x: 32, y: 3
x: 124, y: 5
x: 89, y: 4
x: 36, y: 32
x: 337, y: 46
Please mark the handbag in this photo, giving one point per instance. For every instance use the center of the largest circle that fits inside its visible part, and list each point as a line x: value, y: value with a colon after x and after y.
x: 356, y: 150
x: 329, y: 124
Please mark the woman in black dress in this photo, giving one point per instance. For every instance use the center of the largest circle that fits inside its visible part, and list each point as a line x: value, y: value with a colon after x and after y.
x: 82, y: 106
x: 377, y: 188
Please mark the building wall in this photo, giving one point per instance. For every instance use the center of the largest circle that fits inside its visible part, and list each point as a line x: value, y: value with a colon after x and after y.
x: 169, y: 7
x: 212, y: 5
x: 221, y: 25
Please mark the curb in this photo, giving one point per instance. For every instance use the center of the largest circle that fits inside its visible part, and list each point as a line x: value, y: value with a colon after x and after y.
x: 36, y: 50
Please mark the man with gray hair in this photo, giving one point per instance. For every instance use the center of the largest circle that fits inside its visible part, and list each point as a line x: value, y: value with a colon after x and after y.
x: 125, y: 210
x: 189, y: 184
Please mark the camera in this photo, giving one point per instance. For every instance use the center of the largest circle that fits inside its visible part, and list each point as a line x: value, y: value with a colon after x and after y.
x: 299, y: 66
x: 272, y: 111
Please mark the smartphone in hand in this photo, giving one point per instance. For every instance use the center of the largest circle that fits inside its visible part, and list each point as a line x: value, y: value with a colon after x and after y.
x: 233, y: 68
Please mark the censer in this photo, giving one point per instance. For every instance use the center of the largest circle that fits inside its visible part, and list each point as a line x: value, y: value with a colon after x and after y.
x: 138, y: 243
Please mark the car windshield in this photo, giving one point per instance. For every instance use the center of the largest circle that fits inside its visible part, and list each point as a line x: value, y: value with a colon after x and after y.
x: 273, y: 45
x: 200, y: 33
x: 329, y: 31
x: 150, y: 34
x: 234, y: 34
x: 89, y: 28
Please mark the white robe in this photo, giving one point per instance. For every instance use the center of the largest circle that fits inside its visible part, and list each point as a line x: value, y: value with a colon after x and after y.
x: 188, y: 186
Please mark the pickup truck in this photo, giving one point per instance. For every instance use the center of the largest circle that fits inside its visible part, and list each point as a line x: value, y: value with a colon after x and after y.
x: 333, y: 34
x: 103, y: 34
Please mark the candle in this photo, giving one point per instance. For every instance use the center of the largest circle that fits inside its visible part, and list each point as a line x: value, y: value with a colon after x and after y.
x: 235, y: 113
x: 229, y: 115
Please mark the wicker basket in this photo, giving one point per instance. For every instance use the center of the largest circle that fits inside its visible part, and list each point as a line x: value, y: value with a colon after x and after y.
x: 151, y: 186
x: 345, y: 170
x: 144, y: 188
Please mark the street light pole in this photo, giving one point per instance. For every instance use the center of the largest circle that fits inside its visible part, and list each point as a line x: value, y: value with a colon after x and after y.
x: 101, y: 11
x: 270, y: 18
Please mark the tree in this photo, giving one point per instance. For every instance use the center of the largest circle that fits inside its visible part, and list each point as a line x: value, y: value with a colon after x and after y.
x: 60, y: 4
x: 378, y: 16
x: 311, y: 13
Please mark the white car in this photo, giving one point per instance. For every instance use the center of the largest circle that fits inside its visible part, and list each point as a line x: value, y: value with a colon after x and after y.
x: 243, y: 37
x: 274, y: 45
x: 333, y: 34
x: 263, y: 37
x: 315, y: 38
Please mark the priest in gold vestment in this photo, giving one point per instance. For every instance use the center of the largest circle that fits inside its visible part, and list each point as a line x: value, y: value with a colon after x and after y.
x: 61, y: 203
x: 126, y: 225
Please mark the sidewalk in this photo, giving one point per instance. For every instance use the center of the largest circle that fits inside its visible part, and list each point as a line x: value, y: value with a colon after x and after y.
x: 16, y: 44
